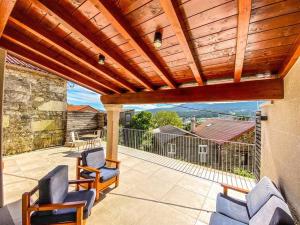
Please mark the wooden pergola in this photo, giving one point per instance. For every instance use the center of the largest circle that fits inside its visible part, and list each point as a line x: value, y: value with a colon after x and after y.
x: 211, y: 50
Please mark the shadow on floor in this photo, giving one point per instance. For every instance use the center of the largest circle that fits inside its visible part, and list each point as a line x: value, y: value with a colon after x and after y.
x: 5, y: 217
x: 10, y: 214
x: 69, y: 153
x: 160, y: 202
x: 14, y: 175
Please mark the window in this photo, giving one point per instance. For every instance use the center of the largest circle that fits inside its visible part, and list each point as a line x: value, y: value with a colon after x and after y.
x: 127, y: 118
x: 171, y: 148
x: 202, y: 153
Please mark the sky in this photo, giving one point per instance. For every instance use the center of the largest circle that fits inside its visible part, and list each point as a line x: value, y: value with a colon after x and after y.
x: 77, y: 95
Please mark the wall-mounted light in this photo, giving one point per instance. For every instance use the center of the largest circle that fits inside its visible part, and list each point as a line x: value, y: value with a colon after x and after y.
x: 101, y: 59
x: 263, y: 118
x: 157, y: 39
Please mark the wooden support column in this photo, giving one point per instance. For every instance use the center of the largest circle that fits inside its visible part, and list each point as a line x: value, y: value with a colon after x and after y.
x: 113, y: 116
x: 2, y: 70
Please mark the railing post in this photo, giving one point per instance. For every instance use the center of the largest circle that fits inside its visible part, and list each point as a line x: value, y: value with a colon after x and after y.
x: 113, y: 116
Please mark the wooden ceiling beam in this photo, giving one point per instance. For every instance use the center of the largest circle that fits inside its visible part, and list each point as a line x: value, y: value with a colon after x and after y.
x: 52, y: 8
x: 244, y: 12
x: 291, y: 59
x: 40, y: 61
x: 175, y: 19
x: 6, y: 7
x: 70, y: 51
x: 52, y: 56
x: 247, y: 90
x: 119, y: 22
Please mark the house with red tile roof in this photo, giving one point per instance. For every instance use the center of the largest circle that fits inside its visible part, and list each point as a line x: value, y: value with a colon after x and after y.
x: 215, y: 143
x: 82, y: 108
x: 222, y: 130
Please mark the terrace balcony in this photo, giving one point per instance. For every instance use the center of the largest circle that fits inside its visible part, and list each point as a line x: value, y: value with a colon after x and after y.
x: 152, y: 52
x: 154, y: 189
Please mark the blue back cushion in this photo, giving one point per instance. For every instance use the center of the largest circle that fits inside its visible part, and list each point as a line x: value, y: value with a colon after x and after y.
x: 53, y: 188
x: 274, y: 212
x: 93, y: 158
x: 260, y: 194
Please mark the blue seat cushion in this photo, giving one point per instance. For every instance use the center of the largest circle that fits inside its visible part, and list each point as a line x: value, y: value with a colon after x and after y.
x: 260, y: 194
x: 67, y: 215
x: 274, y: 212
x: 93, y: 157
x: 232, y: 208
x: 219, y: 219
x: 105, y: 174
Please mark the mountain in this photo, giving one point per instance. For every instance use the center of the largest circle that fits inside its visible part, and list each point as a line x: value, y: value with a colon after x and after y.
x: 208, y: 109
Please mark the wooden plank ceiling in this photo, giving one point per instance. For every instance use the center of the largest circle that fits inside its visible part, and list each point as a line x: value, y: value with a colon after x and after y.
x: 203, y: 41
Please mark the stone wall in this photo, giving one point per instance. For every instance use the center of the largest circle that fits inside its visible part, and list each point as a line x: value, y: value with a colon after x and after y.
x: 280, y: 140
x: 34, y: 110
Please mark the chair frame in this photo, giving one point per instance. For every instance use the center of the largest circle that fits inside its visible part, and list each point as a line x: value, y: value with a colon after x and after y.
x: 229, y: 187
x: 99, y: 186
x: 28, y: 208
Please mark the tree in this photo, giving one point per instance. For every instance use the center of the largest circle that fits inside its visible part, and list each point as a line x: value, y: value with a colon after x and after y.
x: 164, y: 118
x: 187, y: 126
x: 141, y: 120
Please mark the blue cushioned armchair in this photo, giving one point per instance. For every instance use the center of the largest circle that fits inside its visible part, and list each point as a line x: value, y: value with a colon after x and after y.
x: 264, y: 205
x: 92, y: 164
x: 55, y: 204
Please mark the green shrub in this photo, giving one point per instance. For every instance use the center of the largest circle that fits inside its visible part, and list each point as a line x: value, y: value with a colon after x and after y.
x: 243, y: 172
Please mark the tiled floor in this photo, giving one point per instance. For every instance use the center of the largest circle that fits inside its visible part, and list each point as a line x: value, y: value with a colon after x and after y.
x: 148, y: 194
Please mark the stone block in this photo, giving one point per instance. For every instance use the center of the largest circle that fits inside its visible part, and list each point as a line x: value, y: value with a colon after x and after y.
x: 43, y: 125
x: 57, y: 89
x: 5, y: 121
x: 53, y: 106
x: 38, y: 99
x: 16, y: 97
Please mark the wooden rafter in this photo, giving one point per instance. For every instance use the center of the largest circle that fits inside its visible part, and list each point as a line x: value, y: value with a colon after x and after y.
x: 120, y: 23
x: 6, y: 7
x: 63, y: 73
x: 31, y: 46
x: 291, y: 59
x: 39, y: 61
x: 244, y: 9
x: 70, y: 51
x: 248, y: 90
x: 68, y: 21
x: 169, y: 7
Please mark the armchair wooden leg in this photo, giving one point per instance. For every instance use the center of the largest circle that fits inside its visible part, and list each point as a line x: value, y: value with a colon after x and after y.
x: 117, y: 182
x: 97, y: 191
x: 96, y: 186
x: 79, y: 216
x: 25, y: 206
x: 77, y: 173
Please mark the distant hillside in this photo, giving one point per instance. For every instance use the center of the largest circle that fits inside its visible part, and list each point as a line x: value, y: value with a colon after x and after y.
x: 199, y: 109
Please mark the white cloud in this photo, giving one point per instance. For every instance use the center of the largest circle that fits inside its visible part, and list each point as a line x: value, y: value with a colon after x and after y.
x: 78, y: 95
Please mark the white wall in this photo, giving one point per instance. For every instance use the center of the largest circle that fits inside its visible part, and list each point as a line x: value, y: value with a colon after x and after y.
x: 281, y: 140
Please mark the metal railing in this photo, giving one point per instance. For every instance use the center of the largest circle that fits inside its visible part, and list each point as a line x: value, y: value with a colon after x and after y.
x: 228, y: 156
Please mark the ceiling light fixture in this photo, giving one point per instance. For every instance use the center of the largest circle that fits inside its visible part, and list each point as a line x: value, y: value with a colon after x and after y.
x: 157, y: 39
x: 101, y: 59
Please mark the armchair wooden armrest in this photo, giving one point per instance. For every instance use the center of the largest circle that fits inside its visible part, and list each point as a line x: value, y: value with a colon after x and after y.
x: 90, y: 169
x: 226, y: 187
x: 81, y: 181
x: 114, y: 161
